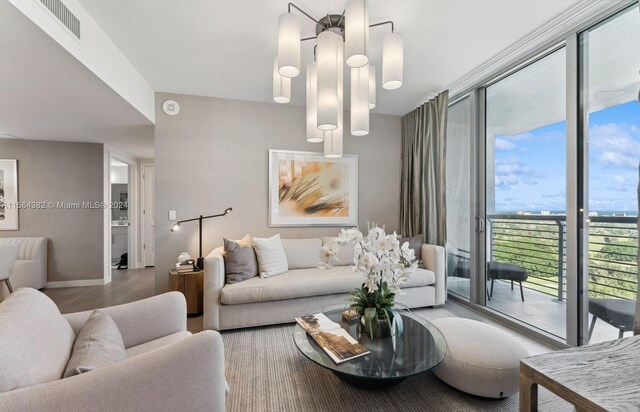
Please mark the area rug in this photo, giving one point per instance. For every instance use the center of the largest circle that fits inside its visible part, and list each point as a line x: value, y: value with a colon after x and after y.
x: 266, y: 372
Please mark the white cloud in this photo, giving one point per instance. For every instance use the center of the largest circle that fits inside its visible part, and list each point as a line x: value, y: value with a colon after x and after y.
x: 503, y: 145
x: 615, y: 146
x: 511, y: 172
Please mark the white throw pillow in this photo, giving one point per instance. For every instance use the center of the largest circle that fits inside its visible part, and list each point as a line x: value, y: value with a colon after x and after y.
x: 272, y: 260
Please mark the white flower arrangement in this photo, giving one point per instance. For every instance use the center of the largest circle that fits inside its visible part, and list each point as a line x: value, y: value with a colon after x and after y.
x: 378, y: 255
x: 386, y: 266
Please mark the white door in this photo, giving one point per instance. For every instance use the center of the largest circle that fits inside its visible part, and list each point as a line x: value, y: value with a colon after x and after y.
x: 148, y: 211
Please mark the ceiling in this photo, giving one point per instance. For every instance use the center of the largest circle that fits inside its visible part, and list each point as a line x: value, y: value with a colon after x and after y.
x: 226, y: 49
x: 47, y: 94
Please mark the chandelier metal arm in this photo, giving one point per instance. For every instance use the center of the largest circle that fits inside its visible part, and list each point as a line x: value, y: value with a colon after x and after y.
x: 303, y: 12
x: 341, y: 17
x: 382, y: 23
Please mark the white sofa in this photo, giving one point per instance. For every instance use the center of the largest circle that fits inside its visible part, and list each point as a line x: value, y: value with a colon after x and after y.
x: 30, y: 270
x: 166, y: 369
x: 305, y: 287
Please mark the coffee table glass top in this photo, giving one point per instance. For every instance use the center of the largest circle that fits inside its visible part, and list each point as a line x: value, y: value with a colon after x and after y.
x: 419, y: 348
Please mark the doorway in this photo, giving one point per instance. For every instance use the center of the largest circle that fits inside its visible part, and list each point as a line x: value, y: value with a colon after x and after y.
x: 120, y: 222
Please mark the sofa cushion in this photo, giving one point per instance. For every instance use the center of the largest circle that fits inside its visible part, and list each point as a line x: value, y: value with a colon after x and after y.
x: 36, y: 340
x: 306, y: 282
x: 415, y: 243
x: 240, y: 261
x: 345, y: 252
x: 272, y: 260
x: 98, y: 344
x: 302, y: 253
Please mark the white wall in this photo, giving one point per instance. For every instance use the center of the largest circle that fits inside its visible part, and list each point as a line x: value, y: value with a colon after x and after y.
x: 214, y: 154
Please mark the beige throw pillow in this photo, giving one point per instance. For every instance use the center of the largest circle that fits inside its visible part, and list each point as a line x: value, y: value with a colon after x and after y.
x: 98, y: 344
x: 272, y: 260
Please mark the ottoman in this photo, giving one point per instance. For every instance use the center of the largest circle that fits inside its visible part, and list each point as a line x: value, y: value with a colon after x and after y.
x: 481, y: 359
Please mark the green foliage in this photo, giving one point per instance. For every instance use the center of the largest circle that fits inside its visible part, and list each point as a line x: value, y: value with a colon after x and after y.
x: 376, y: 306
x: 534, y: 245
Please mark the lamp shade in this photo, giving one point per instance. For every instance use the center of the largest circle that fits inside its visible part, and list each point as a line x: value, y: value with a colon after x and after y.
x: 289, y: 45
x: 372, y: 86
x: 333, y: 139
x: 314, y: 135
x: 330, y: 46
x: 356, y: 33
x: 392, y: 61
x: 360, y: 100
x: 281, y: 85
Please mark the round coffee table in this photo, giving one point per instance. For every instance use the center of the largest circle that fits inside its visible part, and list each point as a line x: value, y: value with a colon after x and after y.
x: 419, y: 348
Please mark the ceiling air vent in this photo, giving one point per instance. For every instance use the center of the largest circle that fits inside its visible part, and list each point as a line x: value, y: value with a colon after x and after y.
x: 63, y: 14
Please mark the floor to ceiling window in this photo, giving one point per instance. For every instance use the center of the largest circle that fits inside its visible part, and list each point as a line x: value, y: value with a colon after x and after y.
x: 525, y: 194
x: 552, y: 180
x: 458, y: 197
x: 611, y: 81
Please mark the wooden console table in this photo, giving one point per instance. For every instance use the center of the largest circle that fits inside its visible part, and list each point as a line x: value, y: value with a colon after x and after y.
x: 599, y: 377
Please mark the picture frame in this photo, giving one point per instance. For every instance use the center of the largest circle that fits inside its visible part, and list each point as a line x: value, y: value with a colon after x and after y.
x: 307, y: 189
x: 8, y: 194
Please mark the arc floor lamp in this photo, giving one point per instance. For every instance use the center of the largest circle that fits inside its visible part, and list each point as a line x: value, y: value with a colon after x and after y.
x: 178, y: 224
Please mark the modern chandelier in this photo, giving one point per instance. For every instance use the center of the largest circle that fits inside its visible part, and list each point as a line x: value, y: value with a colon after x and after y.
x: 340, y: 38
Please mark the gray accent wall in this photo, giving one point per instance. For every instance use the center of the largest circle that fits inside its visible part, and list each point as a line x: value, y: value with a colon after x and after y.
x: 214, y: 154
x: 61, y: 172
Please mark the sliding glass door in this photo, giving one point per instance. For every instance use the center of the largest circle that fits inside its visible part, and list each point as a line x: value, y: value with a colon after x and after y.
x: 610, y: 61
x: 458, y: 245
x: 525, y: 177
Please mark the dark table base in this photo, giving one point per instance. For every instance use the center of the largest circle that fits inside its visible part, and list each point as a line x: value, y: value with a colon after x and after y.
x: 368, y: 383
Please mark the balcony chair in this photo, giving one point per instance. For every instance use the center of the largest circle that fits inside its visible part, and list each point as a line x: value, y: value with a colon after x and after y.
x: 8, y: 256
x: 507, y: 271
x: 618, y: 313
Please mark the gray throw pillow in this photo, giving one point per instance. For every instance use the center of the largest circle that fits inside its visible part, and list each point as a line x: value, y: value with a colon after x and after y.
x: 415, y: 243
x: 240, y: 261
x: 98, y: 344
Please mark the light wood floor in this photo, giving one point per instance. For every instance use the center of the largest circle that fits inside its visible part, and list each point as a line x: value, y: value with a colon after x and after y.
x: 126, y: 286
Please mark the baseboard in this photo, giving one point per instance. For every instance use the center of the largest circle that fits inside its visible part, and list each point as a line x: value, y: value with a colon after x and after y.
x: 76, y: 283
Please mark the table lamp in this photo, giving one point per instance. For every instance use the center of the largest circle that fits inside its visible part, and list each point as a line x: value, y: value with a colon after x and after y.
x: 177, y: 225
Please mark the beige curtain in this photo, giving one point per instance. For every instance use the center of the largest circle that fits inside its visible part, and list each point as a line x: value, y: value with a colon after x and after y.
x: 422, y: 186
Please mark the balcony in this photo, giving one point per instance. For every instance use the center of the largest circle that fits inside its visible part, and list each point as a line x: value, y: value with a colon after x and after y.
x: 538, y: 244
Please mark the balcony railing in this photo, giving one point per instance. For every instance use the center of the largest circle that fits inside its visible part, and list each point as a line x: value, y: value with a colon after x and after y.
x: 538, y: 243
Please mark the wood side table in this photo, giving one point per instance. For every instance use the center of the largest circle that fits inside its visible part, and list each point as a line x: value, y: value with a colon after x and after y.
x: 599, y: 377
x: 191, y: 286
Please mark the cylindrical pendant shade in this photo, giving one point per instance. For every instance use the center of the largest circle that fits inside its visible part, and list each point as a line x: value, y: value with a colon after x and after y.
x: 372, y: 86
x: 330, y: 46
x: 360, y: 101
x: 333, y: 139
x: 289, y: 45
x: 356, y: 33
x: 314, y: 135
x: 281, y: 85
x: 392, y: 61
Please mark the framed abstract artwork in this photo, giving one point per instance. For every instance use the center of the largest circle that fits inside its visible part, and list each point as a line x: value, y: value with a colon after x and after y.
x: 8, y: 194
x: 308, y: 189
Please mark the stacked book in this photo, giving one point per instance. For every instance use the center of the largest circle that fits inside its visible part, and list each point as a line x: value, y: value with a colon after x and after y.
x: 184, y: 267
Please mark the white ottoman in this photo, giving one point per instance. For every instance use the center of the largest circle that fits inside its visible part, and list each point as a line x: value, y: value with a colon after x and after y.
x: 481, y: 359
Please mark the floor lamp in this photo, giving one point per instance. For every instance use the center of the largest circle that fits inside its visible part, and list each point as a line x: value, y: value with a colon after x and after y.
x: 177, y: 225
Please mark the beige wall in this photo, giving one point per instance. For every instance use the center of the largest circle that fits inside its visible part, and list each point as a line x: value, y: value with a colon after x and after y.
x: 61, y: 172
x: 214, y: 154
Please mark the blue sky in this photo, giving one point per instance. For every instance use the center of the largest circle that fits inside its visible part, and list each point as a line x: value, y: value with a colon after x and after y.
x: 530, y: 167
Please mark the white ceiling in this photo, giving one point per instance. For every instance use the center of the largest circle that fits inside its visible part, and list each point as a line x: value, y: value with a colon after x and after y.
x: 226, y: 48
x: 46, y: 94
